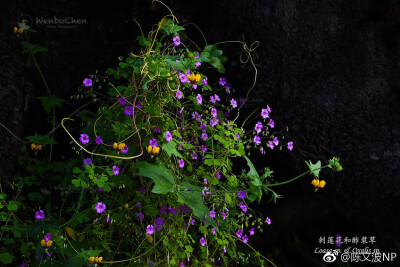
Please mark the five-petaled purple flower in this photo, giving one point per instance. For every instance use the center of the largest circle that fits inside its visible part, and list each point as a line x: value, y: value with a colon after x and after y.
x: 122, y: 101
x: 212, y: 214
x: 160, y: 221
x: 125, y: 149
x: 268, y: 220
x: 100, y: 207
x: 39, y: 215
x: 264, y: 113
x: 178, y: 94
x: 153, y: 142
x: 140, y: 216
x: 168, y: 136
x: 222, y: 81
x: 181, y: 163
x: 115, y: 170
x: 197, y: 64
x: 271, y: 144
x: 47, y: 237
x: 98, y: 140
x: 87, y: 82
x: 204, y: 136
x: 87, y: 161
x: 128, y: 111
x: 142, y: 190
x: 194, y: 156
x: 271, y: 123
x: 245, y: 239
x: 150, y: 229
x: 241, y: 194
x: 257, y: 140
x: 258, y: 127
x: 157, y: 130
x: 234, y: 103
x: 276, y: 141
x: 252, y: 231
x: 243, y: 207
x: 177, y: 41
x: 214, y: 112
x: 84, y: 139
x: 239, y: 233
x: 290, y: 145
x: 199, y: 99
x: 203, y: 241
x: 163, y: 209
x: 204, y: 81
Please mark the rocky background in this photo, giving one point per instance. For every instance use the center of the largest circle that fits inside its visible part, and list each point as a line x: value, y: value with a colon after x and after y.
x: 329, y: 69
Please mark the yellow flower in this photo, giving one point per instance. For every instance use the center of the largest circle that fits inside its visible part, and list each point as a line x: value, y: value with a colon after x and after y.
x: 318, y: 184
x: 20, y: 31
x: 91, y: 259
x: 115, y: 145
x: 126, y: 205
x: 322, y: 183
x: 314, y: 182
x: 15, y: 29
x: 149, y: 149
x: 121, y: 146
x: 197, y: 77
x: 46, y: 244
x: 156, y: 150
x: 98, y: 259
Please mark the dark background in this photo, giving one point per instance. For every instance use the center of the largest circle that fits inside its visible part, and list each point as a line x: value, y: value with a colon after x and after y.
x: 329, y: 69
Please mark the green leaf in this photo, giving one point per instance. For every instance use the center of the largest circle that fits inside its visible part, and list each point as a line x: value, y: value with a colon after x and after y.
x: 170, y: 148
x: 193, y: 199
x: 171, y: 28
x: 315, y: 168
x: 6, y: 258
x: 253, y: 172
x: 162, y: 177
x: 28, y: 48
x: 48, y: 102
x: 41, y: 139
x: 181, y: 65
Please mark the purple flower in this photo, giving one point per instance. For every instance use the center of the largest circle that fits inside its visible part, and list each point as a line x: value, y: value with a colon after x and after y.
x: 252, y: 231
x: 245, y: 239
x: 194, y: 156
x: 239, y: 233
x: 205, y: 181
x: 204, y: 136
x: 153, y: 142
x: 213, y: 231
x: 203, y: 241
x: 242, y: 100
x: 276, y: 141
x: 163, y: 209
x: 87, y: 161
x: 197, y: 64
x: 223, y: 215
x: 138, y: 206
x: 203, y: 127
x: 138, y: 104
x: 204, y: 81
x: 271, y: 144
x: 87, y: 82
x: 237, y: 136
x: 150, y: 229
x: 204, y: 148
x: 181, y: 163
x: 212, y: 214
x: 192, y: 221
x: 122, y: 101
x: 177, y: 41
x: 182, y: 77
x: 100, y: 207
x: 268, y: 221
x: 157, y: 129
x: 140, y: 216
x: 168, y: 136
x: 47, y: 237
x: 258, y: 127
x: 212, y: 99
x: 125, y: 149
x: 224, y: 250
x: 179, y: 94
x: 142, y: 190
x: 199, y: 99
x: 39, y: 215
x: 128, y: 111
x: 264, y: 113
x: 290, y: 145
x: 173, y: 211
x: 243, y: 207
x: 160, y: 221
x: 234, y: 103
x: 214, y: 112
x: 218, y: 174
x: 227, y: 114
x: 241, y: 194
x: 217, y: 97
x: 98, y: 140
x: 115, y: 170
x: 268, y: 109
x: 181, y: 264
x: 84, y: 139
x: 222, y: 81
x: 271, y: 123
x: 257, y: 140
x: 214, y: 121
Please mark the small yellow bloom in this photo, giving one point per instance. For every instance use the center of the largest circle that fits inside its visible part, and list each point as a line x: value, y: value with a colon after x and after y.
x: 318, y: 184
x: 197, y: 77
x: 36, y: 148
x: 46, y: 244
x: 20, y: 31
x: 126, y: 205
x: 322, y: 183
x: 149, y: 149
x: 121, y: 146
x: 91, y: 259
x: 115, y: 145
x: 156, y: 150
x: 315, y: 182
x: 98, y: 259
x: 15, y: 29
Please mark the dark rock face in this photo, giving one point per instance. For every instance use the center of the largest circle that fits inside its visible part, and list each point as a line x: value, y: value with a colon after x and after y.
x: 328, y: 69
